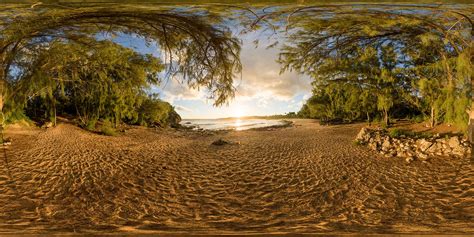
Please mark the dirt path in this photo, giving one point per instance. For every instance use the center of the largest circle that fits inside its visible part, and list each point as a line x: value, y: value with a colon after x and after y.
x: 307, y: 178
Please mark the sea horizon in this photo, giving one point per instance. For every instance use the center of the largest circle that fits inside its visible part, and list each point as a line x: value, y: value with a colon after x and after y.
x: 235, y: 123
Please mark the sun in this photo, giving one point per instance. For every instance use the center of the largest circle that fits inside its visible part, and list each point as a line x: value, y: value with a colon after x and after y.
x: 238, y: 111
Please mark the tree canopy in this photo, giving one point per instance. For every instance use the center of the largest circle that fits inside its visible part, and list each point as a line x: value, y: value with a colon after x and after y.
x: 367, y: 60
x: 390, y: 58
x: 71, y: 46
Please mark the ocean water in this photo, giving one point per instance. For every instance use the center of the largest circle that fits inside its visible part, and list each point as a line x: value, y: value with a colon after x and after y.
x: 230, y: 124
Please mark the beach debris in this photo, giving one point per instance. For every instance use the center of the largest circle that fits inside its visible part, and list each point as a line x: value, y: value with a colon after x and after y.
x: 47, y: 125
x: 413, y: 147
x: 220, y: 142
x: 7, y: 141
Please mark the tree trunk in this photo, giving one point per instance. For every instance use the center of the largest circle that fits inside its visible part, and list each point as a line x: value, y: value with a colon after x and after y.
x: 432, y: 119
x: 368, y: 118
x: 2, y: 117
x: 54, y: 111
x: 386, y: 120
x: 470, y: 128
x: 470, y: 131
x: 471, y: 112
x: 2, y: 101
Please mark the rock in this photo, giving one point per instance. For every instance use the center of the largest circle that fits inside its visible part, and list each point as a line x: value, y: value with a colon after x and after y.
x: 412, y: 148
x: 386, y: 144
x: 373, y: 146
x: 454, y: 142
x: 48, y: 125
x: 378, y: 138
x: 364, y: 135
x: 220, y: 142
x: 7, y: 141
x: 422, y: 156
x: 401, y: 154
x: 433, y: 148
x: 423, y: 144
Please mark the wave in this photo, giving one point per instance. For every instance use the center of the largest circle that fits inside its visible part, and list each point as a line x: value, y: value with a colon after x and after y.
x: 225, y: 124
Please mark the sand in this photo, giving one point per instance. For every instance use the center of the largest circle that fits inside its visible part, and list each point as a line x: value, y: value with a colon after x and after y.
x: 302, y: 179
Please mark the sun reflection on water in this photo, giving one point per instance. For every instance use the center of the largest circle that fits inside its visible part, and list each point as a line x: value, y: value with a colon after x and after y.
x: 238, y: 125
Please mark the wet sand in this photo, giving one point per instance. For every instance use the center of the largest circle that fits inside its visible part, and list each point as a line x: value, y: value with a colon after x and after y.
x: 302, y: 179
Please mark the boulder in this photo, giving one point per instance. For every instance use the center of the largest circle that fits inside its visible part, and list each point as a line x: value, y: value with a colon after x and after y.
x: 220, y: 142
x: 454, y: 142
x: 423, y: 144
x: 412, y: 148
x: 409, y: 159
x: 364, y: 135
x: 373, y: 146
x: 48, y: 125
x: 422, y: 156
x: 386, y: 144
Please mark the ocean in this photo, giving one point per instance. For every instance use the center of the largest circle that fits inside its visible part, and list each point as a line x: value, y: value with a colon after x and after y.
x: 230, y: 124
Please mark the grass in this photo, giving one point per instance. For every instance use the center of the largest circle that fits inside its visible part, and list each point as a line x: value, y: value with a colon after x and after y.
x: 398, y: 133
x: 90, y: 125
x: 108, y: 131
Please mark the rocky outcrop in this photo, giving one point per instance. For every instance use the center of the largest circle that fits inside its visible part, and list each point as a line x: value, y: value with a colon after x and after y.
x: 412, y: 148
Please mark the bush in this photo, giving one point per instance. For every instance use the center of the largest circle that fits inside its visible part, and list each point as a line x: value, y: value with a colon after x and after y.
x: 396, y: 133
x: 16, y: 116
x: 155, y: 112
x: 418, y: 119
x: 90, y: 125
x: 107, y: 129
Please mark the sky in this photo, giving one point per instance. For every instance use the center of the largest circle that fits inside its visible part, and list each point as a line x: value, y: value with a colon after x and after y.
x: 260, y: 91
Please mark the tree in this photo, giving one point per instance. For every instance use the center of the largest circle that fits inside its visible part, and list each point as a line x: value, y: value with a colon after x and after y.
x: 196, y: 46
x: 375, y: 49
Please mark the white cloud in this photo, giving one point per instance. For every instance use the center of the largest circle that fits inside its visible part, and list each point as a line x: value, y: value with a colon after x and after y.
x: 261, y: 81
x: 183, y: 108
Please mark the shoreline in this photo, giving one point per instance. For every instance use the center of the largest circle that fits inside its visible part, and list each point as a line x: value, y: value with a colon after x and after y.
x: 196, y: 127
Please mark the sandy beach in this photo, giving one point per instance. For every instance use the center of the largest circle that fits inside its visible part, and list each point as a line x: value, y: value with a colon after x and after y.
x: 302, y: 179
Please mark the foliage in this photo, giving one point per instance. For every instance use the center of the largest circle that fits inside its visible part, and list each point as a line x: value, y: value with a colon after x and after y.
x: 383, y: 63
x: 105, y: 82
x: 66, y: 54
x: 154, y: 112
x: 107, y: 129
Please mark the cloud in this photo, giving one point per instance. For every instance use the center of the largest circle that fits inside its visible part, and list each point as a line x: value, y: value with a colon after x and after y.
x: 183, y: 108
x: 261, y: 83
x: 261, y: 76
x: 174, y: 90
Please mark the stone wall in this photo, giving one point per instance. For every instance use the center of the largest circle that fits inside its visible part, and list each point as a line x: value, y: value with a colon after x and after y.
x: 412, y: 148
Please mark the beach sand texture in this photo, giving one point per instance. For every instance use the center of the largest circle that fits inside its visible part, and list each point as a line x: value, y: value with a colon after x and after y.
x: 307, y: 178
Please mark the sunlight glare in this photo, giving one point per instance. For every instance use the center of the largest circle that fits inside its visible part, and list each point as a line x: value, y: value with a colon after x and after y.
x: 238, y: 111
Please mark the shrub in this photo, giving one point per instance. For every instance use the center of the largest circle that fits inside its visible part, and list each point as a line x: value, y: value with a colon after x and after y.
x: 396, y: 133
x: 90, y: 125
x: 155, y: 112
x: 107, y: 129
